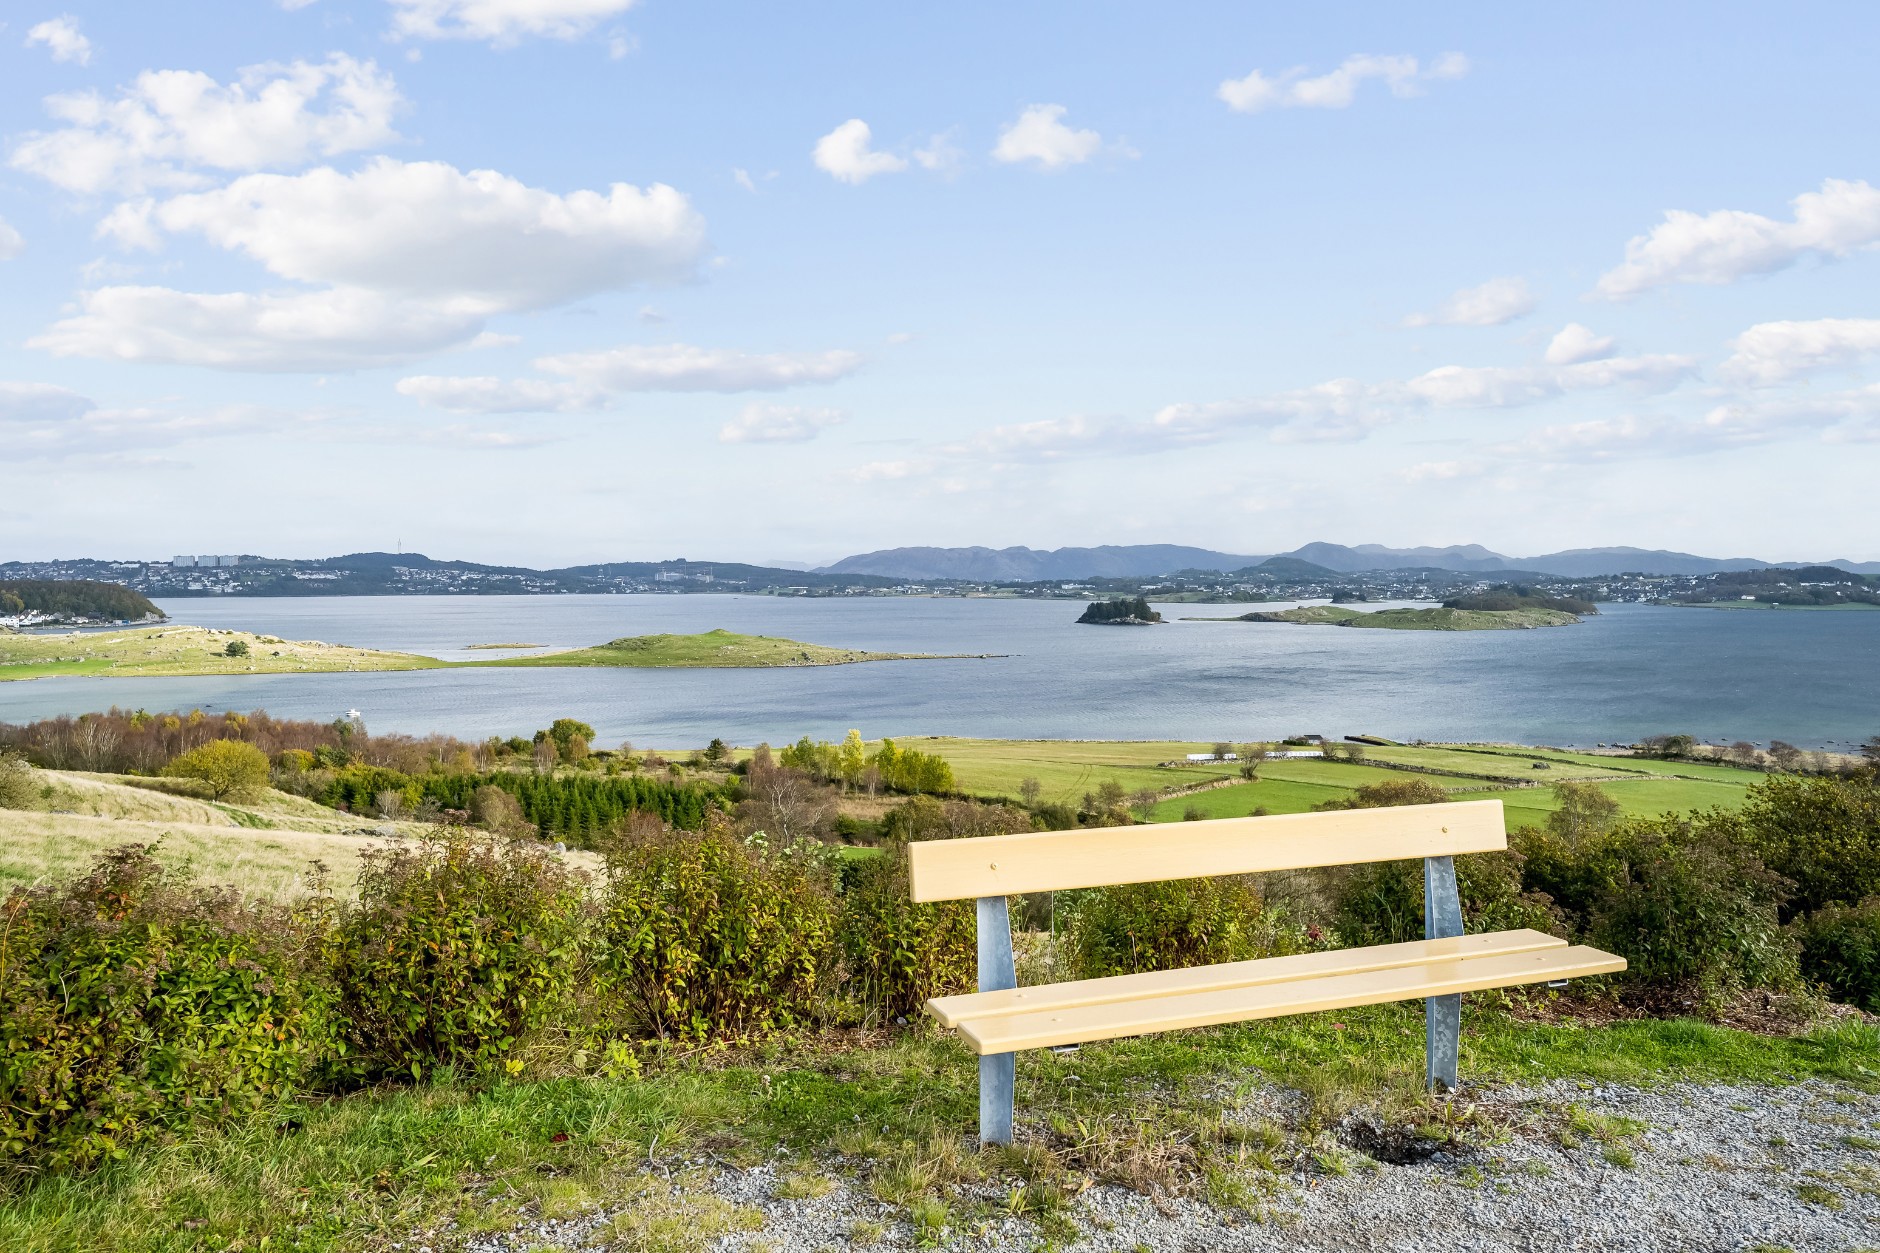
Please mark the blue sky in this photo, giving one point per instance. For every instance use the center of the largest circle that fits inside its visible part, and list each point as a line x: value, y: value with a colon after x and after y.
x: 554, y: 281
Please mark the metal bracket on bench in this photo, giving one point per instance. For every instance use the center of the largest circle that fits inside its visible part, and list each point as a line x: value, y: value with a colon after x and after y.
x: 1442, y: 1015
x: 998, y: 1072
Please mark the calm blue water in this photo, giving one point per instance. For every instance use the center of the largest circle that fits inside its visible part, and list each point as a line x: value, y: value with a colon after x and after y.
x: 1634, y: 670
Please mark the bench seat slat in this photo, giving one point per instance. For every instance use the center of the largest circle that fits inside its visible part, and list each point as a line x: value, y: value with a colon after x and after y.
x: 1006, y: 1033
x: 1046, y: 861
x: 954, y: 1010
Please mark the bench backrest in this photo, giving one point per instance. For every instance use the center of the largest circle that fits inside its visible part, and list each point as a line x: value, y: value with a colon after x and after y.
x: 1047, y: 861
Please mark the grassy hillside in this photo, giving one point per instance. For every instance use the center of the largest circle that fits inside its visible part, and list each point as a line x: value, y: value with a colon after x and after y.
x: 709, y: 649
x: 185, y: 650
x: 1409, y: 619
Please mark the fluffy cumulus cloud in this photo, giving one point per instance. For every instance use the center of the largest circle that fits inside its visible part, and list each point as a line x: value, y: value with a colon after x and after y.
x: 169, y: 128
x: 1298, y: 89
x: 1041, y: 136
x: 778, y: 424
x: 475, y: 241
x: 409, y: 257
x: 502, y: 21
x: 846, y: 156
x: 337, y: 329
x: 12, y: 243
x: 1775, y: 352
x: 685, y: 368
x: 1497, y: 301
x: 1575, y: 343
x: 61, y: 37
x: 495, y: 395
x: 1729, y: 244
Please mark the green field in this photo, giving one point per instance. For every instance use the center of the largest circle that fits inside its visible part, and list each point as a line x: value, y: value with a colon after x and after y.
x: 1066, y: 769
x: 170, y: 651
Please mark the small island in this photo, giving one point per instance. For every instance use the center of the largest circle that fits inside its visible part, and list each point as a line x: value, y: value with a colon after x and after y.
x: 1130, y: 611
x: 711, y: 649
x: 1444, y: 619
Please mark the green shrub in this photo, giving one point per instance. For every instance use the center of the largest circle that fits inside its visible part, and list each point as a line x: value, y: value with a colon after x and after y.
x: 711, y: 936
x: 457, y: 947
x: 1382, y: 903
x: 229, y: 768
x: 1183, y: 922
x: 1841, y: 952
x: 130, y: 1002
x: 1821, y: 833
x: 1690, y: 909
x: 18, y: 788
x: 1389, y: 792
x: 900, y: 952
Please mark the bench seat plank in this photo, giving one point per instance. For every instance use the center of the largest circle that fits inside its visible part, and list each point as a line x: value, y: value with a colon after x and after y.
x: 1006, y: 1033
x: 954, y: 1010
x: 1052, y: 861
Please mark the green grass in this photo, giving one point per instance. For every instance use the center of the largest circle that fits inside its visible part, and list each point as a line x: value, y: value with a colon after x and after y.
x: 714, y: 649
x: 1506, y: 764
x: 1066, y: 769
x: 396, y: 1165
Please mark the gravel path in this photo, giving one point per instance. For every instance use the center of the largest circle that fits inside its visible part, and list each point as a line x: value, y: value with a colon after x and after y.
x: 1711, y: 1168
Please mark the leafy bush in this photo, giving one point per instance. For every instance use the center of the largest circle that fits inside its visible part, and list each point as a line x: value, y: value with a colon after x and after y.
x: 900, y: 952
x: 1382, y: 903
x: 229, y: 768
x: 130, y: 1002
x: 1690, y: 909
x: 457, y: 947
x: 1841, y: 951
x: 1184, y: 922
x: 1821, y: 833
x: 925, y: 818
x: 1389, y: 792
x: 710, y: 936
x: 18, y: 788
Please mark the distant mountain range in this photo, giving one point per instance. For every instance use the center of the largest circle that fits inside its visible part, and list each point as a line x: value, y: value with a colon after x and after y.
x: 1140, y: 560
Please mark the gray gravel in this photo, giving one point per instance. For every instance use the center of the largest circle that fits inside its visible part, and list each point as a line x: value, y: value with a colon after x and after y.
x: 1715, y: 1168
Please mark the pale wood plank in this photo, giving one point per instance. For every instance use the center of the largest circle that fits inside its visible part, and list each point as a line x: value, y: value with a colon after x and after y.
x: 1011, y: 1032
x: 1008, y: 865
x: 954, y: 1010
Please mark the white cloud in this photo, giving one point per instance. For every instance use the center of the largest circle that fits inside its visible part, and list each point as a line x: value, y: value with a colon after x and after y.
x: 778, y: 424
x: 1495, y: 302
x: 1503, y: 387
x: 685, y: 368
x: 40, y: 402
x: 1292, y: 89
x: 1040, y: 135
x: 1773, y: 352
x: 1729, y: 244
x: 502, y: 21
x: 337, y: 329
x: 1574, y: 344
x: 62, y: 38
x: 477, y: 242
x: 744, y: 180
x: 12, y: 243
x: 844, y: 154
x: 940, y: 154
x: 170, y: 125
x: 494, y: 395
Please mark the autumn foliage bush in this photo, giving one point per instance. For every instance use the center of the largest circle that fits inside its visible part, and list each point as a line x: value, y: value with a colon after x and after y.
x: 457, y: 947
x: 714, y: 935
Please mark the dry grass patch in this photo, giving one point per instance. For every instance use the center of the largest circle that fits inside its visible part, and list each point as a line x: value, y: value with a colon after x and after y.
x: 680, y: 1217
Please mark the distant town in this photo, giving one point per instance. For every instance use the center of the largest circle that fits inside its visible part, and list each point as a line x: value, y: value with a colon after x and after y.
x: 1275, y: 578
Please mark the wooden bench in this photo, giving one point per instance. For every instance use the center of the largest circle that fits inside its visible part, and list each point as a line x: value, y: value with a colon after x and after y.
x: 1002, y: 1018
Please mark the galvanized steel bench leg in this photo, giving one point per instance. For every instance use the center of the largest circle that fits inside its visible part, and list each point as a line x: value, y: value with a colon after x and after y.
x: 998, y: 1072
x: 1442, y: 1015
